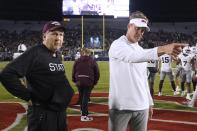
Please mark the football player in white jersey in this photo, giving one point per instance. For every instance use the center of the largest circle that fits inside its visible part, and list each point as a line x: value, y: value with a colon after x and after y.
x: 166, y: 69
x: 177, y: 74
x: 153, y: 68
x: 194, y: 80
x: 21, y: 48
x: 191, y: 103
x: 78, y: 55
x: 187, y: 63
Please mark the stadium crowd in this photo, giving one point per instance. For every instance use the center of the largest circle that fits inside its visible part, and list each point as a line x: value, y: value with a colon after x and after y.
x: 72, y: 41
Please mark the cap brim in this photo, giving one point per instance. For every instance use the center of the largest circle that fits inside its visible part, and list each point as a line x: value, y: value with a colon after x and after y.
x: 139, y: 22
x: 59, y: 27
x: 147, y: 28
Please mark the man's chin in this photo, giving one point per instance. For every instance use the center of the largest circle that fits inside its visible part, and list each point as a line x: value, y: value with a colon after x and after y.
x: 138, y: 39
x: 57, y: 47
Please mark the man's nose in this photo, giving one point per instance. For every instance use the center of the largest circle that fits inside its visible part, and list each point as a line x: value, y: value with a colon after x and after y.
x: 58, y: 37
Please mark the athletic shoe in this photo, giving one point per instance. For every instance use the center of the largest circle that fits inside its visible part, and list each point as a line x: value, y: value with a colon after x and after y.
x: 160, y: 94
x: 86, y: 118
x: 178, y: 89
x: 188, y: 104
x: 183, y: 93
x: 176, y: 93
x: 188, y: 97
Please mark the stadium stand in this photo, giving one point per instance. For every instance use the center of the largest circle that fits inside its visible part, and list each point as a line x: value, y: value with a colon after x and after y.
x: 14, y: 33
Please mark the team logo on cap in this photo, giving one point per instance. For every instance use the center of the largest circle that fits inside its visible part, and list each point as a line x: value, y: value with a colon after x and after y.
x: 55, y: 23
x: 144, y: 21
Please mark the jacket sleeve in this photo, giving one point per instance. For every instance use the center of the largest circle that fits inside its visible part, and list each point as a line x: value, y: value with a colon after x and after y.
x: 11, y: 74
x: 131, y: 54
x: 96, y: 73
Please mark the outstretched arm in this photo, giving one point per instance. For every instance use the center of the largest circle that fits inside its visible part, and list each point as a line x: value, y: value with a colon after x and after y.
x: 173, y: 49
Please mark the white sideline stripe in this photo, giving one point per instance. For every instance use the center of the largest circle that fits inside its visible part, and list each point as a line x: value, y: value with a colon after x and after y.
x: 17, y: 121
x: 18, y: 117
x: 172, y: 121
x: 95, y: 114
x: 87, y: 129
x: 175, y: 110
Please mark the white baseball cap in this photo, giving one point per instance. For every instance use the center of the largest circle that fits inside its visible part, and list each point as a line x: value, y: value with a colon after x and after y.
x: 139, y: 22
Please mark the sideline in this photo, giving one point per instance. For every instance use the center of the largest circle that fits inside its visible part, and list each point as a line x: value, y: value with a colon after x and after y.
x: 173, y: 121
x: 21, y: 115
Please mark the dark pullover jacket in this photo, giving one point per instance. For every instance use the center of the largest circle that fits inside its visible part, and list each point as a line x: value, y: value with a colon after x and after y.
x: 85, y: 72
x: 46, y: 80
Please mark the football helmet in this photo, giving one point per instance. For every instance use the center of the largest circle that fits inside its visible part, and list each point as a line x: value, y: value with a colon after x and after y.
x: 22, y: 47
x: 186, y: 50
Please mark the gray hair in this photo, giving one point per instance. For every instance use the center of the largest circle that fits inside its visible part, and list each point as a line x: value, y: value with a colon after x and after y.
x: 138, y: 14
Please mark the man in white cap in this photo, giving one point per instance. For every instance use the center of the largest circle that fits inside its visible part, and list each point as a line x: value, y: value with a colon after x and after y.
x: 130, y: 101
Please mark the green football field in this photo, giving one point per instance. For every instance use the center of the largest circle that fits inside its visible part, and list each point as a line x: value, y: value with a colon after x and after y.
x: 103, y: 83
x: 102, y: 86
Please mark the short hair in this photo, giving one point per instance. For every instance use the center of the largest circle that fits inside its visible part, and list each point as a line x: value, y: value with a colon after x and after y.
x: 85, y: 52
x: 138, y: 14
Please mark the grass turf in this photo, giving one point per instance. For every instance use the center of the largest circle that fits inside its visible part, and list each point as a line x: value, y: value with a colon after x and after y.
x: 102, y: 86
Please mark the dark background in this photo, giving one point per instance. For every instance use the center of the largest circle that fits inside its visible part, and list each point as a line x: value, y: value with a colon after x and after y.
x: 167, y: 10
x: 156, y: 10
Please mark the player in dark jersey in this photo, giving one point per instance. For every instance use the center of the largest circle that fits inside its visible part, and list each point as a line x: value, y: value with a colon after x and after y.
x: 48, y: 91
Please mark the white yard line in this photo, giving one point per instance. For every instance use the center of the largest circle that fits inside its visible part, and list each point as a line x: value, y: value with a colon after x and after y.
x: 87, y: 129
x: 173, y: 121
x: 16, y: 122
x: 175, y: 110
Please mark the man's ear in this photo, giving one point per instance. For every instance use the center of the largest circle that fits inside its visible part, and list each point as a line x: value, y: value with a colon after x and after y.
x: 128, y: 25
x: 44, y: 36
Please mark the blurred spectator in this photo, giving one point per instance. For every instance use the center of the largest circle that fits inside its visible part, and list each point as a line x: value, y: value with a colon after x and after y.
x: 9, y: 40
